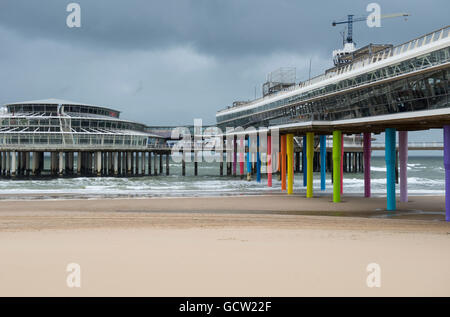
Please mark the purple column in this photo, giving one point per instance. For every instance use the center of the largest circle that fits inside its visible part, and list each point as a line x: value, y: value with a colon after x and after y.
x: 367, y: 152
x: 447, y: 170
x: 234, y: 155
x: 403, y: 160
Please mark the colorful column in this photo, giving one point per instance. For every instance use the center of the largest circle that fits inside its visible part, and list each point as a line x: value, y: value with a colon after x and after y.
x: 305, y: 168
x: 367, y: 149
x: 290, y: 162
x: 258, y: 161
x: 323, y: 161
x: 241, y: 157
x: 342, y: 163
x: 390, y: 144
x: 403, y: 161
x: 337, y: 138
x: 310, y: 161
x: 249, y: 163
x: 447, y: 170
x: 283, y: 162
x: 234, y: 155
x: 269, y: 161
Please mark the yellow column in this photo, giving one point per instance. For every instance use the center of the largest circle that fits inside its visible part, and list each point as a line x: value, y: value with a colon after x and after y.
x: 309, y: 159
x: 290, y: 167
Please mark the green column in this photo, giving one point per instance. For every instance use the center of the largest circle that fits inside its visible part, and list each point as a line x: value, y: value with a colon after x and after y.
x: 337, y: 166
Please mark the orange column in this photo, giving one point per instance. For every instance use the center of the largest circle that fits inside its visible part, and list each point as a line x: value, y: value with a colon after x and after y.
x: 283, y: 162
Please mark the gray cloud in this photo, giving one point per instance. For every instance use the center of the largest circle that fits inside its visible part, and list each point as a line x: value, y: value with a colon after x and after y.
x: 166, y: 62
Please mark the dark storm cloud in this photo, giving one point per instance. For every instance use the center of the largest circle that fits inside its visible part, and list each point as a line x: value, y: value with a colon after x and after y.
x: 166, y: 62
x: 221, y: 27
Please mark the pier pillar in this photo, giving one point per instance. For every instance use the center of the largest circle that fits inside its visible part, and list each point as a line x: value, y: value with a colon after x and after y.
x: 249, y: 162
x: 160, y: 163
x: 323, y: 161
x: 167, y: 164
x: 310, y: 161
x: 258, y: 161
x: 142, y: 163
x: 304, y: 163
x: 61, y: 163
x: 403, y: 160
x: 221, y: 168
x: 183, y: 164
x: 337, y: 138
x: 241, y: 157
x: 155, y: 166
x: 269, y: 161
x: 79, y: 163
x: 149, y: 162
x: 128, y: 155
x: 195, y: 168
x: 3, y: 166
x: 290, y: 162
x: 8, y: 164
x: 447, y: 170
x: 35, y: 164
x: 367, y: 148
x: 13, y: 164
x: 390, y: 149
x: 342, y: 164
x: 234, y: 155
x: 116, y: 163
x: 283, y: 161
x: 98, y: 156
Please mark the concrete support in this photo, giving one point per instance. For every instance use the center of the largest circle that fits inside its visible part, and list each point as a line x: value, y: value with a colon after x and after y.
x: 241, y: 157
x: 160, y: 163
x: 447, y: 170
x: 3, y: 165
x: 116, y: 163
x: 183, y: 164
x: 167, y: 164
x: 155, y: 166
x: 403, y: 160
x: 290, y: 162
x: 337, y: 138
x: 195, y: 168
x: 390, y: 149
x: 98, y: 159
x: 283, y: 161
x: 13, y: 164
x: 221, y: 168
x: 269, y: 161
x: 149, y: 163
x: 323, y: 161
x: 367, y: 148
x: 61, y: 163
x: 309, y: 160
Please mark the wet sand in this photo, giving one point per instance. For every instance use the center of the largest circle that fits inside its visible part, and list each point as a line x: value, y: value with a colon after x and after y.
x: 224, y: 246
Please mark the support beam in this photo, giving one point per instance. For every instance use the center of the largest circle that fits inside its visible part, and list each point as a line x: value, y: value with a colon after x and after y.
x: 99, y: 163
x: 337, y: 138
x: 323, y: 161
x: 258, y: 161
x: 290, y: 162
x: 269, y: 161
x: 309, y: 162
x: 13, y: 164
x: 390, y: 149
x: 367, y: 148
x: 167, y: 164
x: 403, y: 160
x: 304, y: 163
x: 249, y: 162
x: 283, y: 162
x: 447, y: 170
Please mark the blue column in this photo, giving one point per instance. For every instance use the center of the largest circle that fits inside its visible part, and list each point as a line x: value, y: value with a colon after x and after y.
x: 323, y: 161
x: 304, y: 161
x: 258, y: 162
x: 390, y: 145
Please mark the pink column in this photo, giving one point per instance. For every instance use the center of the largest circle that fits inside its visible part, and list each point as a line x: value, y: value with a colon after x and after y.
x: 269, y: 161
x: 403, y: 160
x: 367, y: 152
x: 342, y: 163
x: 234, y: 155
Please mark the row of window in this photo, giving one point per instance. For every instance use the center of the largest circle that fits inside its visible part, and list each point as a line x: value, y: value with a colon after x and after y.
x: 433, y: 58
x: 52, y: 109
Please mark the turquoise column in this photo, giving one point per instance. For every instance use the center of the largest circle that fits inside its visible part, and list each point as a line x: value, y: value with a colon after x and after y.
x: 390, y: 144
x: 304, y: 162
x: 323, y: 161
x: 258, y: 162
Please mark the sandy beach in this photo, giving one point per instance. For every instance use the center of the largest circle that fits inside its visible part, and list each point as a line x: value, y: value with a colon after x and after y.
x: 271, y: 245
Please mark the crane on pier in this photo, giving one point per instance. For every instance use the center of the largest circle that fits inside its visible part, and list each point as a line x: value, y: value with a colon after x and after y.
x: 349, y: 45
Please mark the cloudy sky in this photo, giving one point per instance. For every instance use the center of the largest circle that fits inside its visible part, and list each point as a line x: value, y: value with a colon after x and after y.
x: 167, y: 62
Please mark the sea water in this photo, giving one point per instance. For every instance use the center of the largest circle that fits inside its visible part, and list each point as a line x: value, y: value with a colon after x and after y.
x: 425, y: 177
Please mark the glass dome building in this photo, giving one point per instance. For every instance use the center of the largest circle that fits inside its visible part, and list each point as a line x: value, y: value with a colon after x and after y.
x: 60, y: 137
